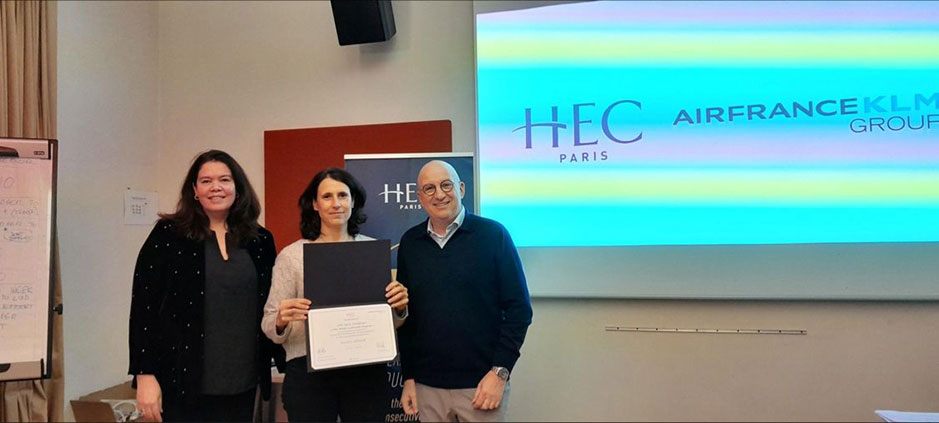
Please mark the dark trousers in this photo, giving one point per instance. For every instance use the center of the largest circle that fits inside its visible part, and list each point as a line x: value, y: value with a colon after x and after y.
x: 355, y: 394
x: 211, y: 408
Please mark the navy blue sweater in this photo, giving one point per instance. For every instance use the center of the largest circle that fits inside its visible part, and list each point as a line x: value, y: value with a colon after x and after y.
x: 469, y: 308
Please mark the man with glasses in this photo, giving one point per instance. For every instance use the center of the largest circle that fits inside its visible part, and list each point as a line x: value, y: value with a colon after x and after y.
x: 469, y: 308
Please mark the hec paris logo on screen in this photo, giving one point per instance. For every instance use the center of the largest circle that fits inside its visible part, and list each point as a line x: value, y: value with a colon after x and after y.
x: 575, y: 149
x: 398, y: 192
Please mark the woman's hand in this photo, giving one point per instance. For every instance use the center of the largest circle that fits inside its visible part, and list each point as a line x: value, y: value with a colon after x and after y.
x: 291, y: 310
x: 397, y: 296
x: 149, y: 398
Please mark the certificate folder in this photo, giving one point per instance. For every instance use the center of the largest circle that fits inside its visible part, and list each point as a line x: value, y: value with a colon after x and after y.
x: 346, y: 273
x: 350, y: 322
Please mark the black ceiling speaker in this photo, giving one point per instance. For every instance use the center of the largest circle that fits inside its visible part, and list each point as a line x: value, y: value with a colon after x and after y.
x: 363, y: 21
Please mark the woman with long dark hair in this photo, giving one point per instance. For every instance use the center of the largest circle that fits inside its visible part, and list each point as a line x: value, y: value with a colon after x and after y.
x: 330, y: 211
x: 200, y: 283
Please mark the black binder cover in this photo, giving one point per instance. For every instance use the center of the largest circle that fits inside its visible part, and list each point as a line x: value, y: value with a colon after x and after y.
x: 346, y: 273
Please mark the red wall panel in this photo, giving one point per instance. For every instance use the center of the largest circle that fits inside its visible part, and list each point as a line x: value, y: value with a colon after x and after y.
x: 293, y: 156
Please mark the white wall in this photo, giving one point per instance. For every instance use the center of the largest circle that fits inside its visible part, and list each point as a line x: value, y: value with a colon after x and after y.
x: 107, y: 105
x: 228, y: 71
x: 856, y: 357
x: 231, y: 70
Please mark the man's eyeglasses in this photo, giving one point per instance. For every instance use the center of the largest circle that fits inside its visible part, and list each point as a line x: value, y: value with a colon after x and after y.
x: 431, y: 189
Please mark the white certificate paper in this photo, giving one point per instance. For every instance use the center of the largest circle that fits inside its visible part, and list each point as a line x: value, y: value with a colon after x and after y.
x: 351, y: 336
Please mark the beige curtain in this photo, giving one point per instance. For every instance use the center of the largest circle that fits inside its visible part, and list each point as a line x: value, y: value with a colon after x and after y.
x: 27, y: 109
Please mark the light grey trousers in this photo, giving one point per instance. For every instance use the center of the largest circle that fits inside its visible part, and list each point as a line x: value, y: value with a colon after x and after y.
x: 456, y: 405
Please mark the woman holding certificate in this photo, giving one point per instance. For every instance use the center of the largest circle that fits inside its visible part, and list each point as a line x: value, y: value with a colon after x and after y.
x: 330, y: 211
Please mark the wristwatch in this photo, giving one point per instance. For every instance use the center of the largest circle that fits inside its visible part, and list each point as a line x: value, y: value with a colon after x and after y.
x: 502, y: 372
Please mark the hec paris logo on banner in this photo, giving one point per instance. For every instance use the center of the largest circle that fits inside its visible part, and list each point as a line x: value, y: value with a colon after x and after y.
x: 404, y: 195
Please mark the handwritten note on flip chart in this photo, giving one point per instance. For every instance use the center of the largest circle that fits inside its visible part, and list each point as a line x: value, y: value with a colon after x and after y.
x: 25, y: 250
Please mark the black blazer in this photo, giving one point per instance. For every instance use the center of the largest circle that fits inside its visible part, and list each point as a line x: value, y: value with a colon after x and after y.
x: 167, y: 306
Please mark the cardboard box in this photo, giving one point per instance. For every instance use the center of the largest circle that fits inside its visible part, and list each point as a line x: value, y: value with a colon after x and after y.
x: 120, y: 397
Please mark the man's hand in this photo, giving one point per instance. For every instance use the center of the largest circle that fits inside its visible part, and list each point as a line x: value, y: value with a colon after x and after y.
x: 149, y: 398
x: 489, y: 392
x: 409, y: 397
x: 397, y: 296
